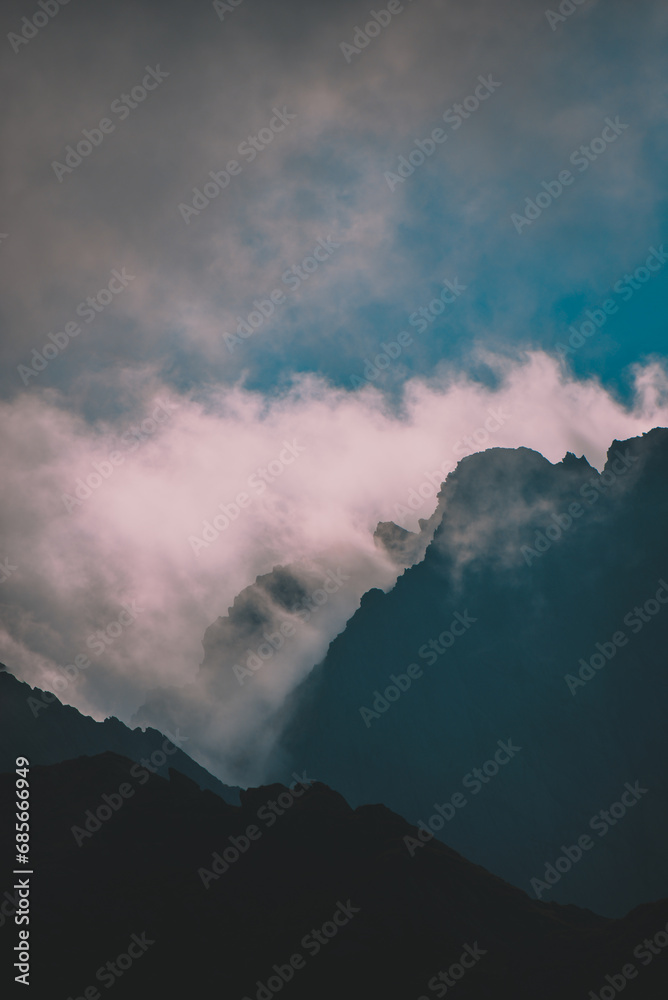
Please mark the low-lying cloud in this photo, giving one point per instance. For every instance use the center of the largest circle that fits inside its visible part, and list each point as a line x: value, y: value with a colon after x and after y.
x: 99, y: 516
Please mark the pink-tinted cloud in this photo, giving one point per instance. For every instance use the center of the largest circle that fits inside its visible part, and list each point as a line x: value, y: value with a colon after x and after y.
x: 303, y: 476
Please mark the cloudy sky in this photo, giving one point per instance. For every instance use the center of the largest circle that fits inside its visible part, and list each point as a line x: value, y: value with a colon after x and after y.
x: 456, y: 259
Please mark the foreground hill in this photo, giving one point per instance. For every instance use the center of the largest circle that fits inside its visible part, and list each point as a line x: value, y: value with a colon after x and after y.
x: 173, y: 892
x: 36, y: 725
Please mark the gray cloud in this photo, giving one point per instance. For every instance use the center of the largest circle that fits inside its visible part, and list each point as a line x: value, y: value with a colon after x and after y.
x: 161, y: 337
x: 323, y: 174
x: 103, y: 516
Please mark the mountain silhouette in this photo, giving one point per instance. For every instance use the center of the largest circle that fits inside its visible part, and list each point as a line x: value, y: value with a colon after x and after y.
x: 537, y: 619
x: 36, y: 725
x: 276, y: 620
x: 174, y: 892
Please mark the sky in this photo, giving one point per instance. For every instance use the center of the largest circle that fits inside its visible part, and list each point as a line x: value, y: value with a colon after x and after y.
x: 388, y: 254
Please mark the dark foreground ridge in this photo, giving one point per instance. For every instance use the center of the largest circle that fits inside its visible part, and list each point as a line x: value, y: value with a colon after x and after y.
x: 38, y: 726
x: 172, y: 892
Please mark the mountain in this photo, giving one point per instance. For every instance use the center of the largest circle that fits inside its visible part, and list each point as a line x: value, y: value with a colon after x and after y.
x: 272, y: 634
x: 510, y: 692
x: 404, y: 547
x: 38, y: 726
x: 270, y: 637
x: 173, y: 892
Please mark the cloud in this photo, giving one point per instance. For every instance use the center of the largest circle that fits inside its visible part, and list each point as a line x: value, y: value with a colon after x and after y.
x: 302, y: 477
x: 323, y: 174
x: 368, y: 456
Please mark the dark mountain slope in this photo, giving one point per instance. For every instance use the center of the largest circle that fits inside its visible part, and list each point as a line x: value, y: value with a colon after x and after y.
x: 542, y: 591
x: 137, y: 883
x: 36, y: 725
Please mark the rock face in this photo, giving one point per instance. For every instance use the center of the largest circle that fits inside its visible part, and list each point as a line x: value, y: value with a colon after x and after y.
x: 47, y: 732
x: 176, y: 893
x: 508, y: 697
x: 258, y: 609
x: 537, y: 618
x: 268, y: 628
x: 405, y: 548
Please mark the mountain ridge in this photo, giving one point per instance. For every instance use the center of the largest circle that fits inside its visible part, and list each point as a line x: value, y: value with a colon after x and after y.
x: 543, y: 587
x: 38, y: 726
x: 188, y: 874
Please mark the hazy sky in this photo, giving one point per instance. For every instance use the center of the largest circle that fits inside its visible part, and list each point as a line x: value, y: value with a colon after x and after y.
x: 310, y: 136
